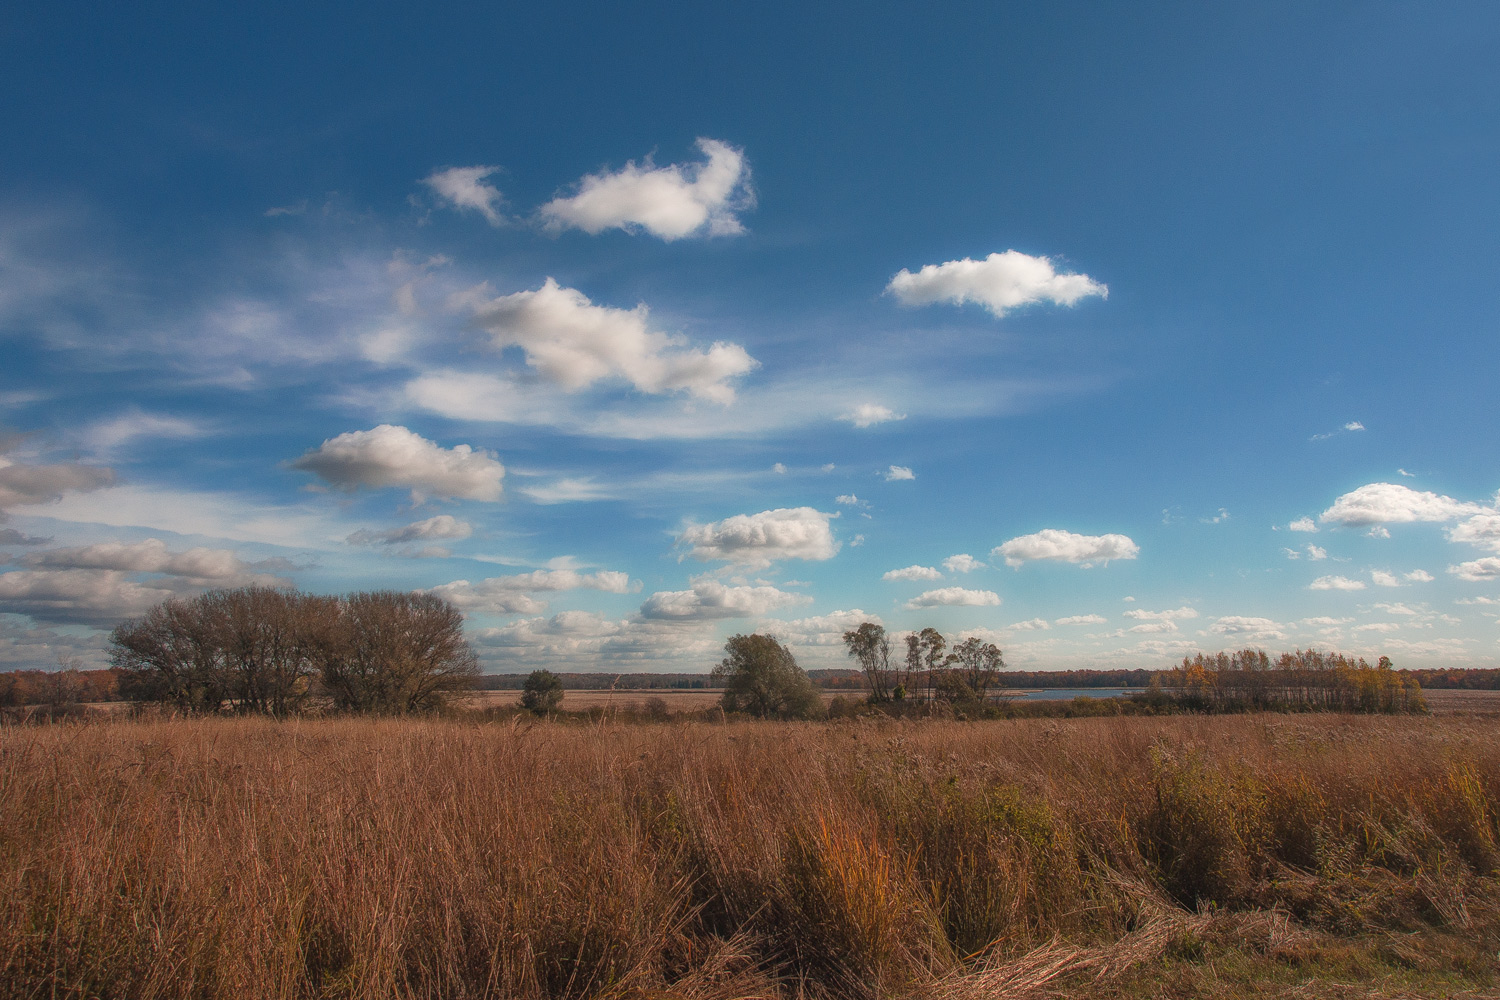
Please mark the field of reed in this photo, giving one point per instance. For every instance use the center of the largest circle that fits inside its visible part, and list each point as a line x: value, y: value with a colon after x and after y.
x: 1117, y: 857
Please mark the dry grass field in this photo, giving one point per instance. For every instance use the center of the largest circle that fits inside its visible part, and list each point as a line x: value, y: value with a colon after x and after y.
x: 1306, y: 856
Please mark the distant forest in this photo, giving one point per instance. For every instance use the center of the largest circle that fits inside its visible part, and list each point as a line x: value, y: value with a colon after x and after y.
x: 41, y: 687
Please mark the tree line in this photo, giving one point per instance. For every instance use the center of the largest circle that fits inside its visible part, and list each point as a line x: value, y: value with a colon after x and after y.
x: 267, y: 651
x: 1302, y: 681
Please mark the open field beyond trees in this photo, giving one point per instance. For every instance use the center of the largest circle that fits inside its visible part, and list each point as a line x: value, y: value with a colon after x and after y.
x: 1308, y: 856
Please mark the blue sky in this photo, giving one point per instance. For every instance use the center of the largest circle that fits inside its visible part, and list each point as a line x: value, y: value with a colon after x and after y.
x: 1106, y: 333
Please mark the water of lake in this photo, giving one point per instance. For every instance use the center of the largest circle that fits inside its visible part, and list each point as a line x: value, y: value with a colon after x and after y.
x: 1067, y: 694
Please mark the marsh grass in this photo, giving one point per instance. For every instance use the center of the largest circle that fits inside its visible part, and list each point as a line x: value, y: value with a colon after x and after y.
x: 390, y: 858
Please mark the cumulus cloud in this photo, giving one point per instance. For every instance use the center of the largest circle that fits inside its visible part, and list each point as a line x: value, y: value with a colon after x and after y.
x: 822, y: 630
x: 575, y: 343
x: 1383, y: 579
x: 962, y: 563
x: 1480, y: 530
x: 444, y: 526
x: 27, y: 485
x: 670, y: 202
x: 1378, y: 627
x: 913, y: 573
x: 1335, y: 583
x: 78, y: 596
x: 1478, y: 570
x: 1000, y: 282
x: 868, y: 414
x: 1302, y: 524
x: 1064, y: 546
x: 204, y: 565
x: 1247, y: 628
x: 1419, y: 576
x: 847, y: 500
x: 1030, y: 625
x: 1326, y: 621
x: 710, y: 600
x: 390, y: 455
x: 505, y: 595
x: 757, y: 540
x: 897, y: 473
x: 960, y: 597
x: 1081, y: 620
x: 1316, y: 553
x: 464, y: 188
x: 1392, y: 503
x: 10, y: 536
x: 1172, y: 614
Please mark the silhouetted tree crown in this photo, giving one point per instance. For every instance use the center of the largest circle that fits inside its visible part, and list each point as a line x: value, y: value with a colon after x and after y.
x: 259, y: 649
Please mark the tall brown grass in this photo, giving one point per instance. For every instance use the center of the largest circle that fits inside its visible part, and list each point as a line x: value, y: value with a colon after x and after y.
x: 363, y: 858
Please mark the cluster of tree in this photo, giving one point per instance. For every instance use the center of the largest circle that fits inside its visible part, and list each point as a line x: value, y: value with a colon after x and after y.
x: 68, y: 685
x: 1471, y: 679
x: 762, y: 678
x: 600, y: 682
x: 931, y: 669
x: 1306, y: 680
x: 268, y: 651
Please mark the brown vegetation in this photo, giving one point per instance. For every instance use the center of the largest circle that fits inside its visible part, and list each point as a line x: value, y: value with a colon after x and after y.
x: 393, y: 858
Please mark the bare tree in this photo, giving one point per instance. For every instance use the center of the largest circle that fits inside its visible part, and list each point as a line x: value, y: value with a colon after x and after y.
x: 172, y: 654
x: 871, y: 649
x: 396, y: 653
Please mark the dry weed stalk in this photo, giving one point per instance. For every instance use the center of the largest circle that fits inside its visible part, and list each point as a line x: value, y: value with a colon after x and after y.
x: 365, y: 858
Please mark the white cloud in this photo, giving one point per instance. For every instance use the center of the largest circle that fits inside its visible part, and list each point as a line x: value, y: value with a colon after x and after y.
x: 822, y: 630
x: 897, y: 473
x: 757, y: 540
x: 1292, y: 553
x: 1150, y: 627
x: 1419, y: 576
x: 1379, y: 531
x: 1030, y: 625
x: 464, y: 188
x: 1000, y: 282
x: 1392, y: 503
x: 868, y: 414
x: 1403, y: 472
x: 108, y: 435
x: 954, y: 597
x: 1302, y: 524
x: 1325, y: 621
x: 1478, y: 570
x: 1219, y: 518
x: 1064, y: 546
x: 1397, y: 609
x: 1081, y: 620
x: 1172, y: 614
x: 913, y: 573
x: 962, y: 563
x: 709, y: 600
x: 81, y: 596
x: 1247, y: 628
x: 1481, y: 531
x: 568, y: 490
x: 1316, y: 553
x: 575, y: 343
x: 1383, y: 579
x: 1335, y: 583
x: 389, y: 455
x: 1354, y: 425
x: 505, y: 595
x: 1378, y: 627
x: 27, y: 485
x: 847, y: 500
x: 434, y: 528
x: 779, y: 469
x: 204, y: 565
x: 670, y: 202
x: 581, y: 640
